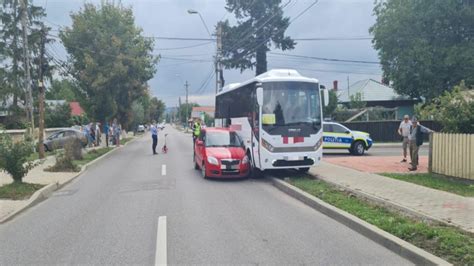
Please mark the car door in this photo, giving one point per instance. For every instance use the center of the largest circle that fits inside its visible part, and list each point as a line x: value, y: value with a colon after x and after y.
x: 199, y: 150
x: 343, y: 136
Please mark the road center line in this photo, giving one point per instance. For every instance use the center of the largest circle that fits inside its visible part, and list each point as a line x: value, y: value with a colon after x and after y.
x: 163, y: 169
x: 161, y: 253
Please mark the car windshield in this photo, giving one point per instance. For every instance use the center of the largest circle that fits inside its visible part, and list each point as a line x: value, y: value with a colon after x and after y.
x: 223, y: 139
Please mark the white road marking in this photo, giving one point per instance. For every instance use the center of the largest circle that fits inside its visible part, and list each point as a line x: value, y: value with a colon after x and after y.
x: 161, y: 253
x: 163, y: 169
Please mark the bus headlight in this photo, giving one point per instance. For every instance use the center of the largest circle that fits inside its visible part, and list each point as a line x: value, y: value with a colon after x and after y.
x: 318, y: 144
x: 212, y: 160
x: 267, y: 145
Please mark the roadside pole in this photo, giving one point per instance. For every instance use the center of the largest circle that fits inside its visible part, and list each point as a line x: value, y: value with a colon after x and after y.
x: 26, y: 60
x: 41, y: 97
x: 186, y: 85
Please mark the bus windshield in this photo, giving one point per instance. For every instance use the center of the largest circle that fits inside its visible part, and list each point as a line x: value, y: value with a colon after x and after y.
x: 291, y: 104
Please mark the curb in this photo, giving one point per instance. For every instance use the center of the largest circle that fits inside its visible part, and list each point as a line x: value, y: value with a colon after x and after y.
x: 48, y: 190
x: 393, y: 243
x: 390, y: 204
x: 36, y: 198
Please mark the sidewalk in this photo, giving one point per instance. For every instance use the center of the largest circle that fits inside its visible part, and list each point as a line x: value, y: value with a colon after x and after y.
x: 421, y: 201
x: 36, y: 175
x: 378, y: 164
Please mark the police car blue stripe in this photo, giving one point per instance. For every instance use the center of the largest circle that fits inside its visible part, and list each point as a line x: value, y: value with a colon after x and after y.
x: 337, y: 139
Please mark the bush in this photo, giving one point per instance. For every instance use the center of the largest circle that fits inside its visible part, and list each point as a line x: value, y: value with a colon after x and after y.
x: 454, y: 110
x: 73, y: 149
x: 65, y: 160
x: 14, y: 156
x: 63, y: 163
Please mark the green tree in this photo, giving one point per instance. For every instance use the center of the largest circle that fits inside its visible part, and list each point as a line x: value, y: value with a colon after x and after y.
x: 425, y: 46
x: 62, y: 90
x: 110, y: 59
x: 357, y: 101
x: 156, y: 109
x: 185, y: 111
x: 332, y: 105
x: 11, y: 48
x: 58, y: 116
x: 260, y: 24
x: 454, y: 110
x: 138, y: 115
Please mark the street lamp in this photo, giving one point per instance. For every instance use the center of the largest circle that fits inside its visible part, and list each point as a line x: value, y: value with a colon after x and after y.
x: 192, y: 11
x: 216, y: 62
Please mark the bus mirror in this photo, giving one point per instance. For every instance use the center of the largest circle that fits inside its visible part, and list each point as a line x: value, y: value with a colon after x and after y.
x: 326, y: 97
x: 260, y: 96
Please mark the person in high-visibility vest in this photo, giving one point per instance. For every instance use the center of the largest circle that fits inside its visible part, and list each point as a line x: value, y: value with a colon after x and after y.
x: 196, y: 130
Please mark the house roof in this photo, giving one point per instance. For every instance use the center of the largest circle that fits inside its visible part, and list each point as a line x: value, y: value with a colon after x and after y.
x: 76, y: 109
x: 371, y: 90
x: 207, y: 109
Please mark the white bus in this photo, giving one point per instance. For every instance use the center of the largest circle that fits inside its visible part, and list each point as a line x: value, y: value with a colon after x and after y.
x: 278, y: 115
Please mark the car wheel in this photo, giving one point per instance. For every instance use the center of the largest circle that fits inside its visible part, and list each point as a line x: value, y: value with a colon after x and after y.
x: 46, y: 147
x: 303, y: 170
x: 358, y: 148
x: 203, y: 170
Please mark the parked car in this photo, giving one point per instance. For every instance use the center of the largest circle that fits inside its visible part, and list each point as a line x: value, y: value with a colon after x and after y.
x: 161, y: 126
x: 337, y: 136
x: 141, y: 128
x: 219, y: 152
x: 58, y: 139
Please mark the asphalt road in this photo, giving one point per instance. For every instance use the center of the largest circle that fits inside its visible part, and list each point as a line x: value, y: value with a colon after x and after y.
x: 392, y: 150
x: 109, y: 215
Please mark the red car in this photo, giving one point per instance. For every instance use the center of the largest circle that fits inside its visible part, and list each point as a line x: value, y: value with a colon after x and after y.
x: 219, y: 152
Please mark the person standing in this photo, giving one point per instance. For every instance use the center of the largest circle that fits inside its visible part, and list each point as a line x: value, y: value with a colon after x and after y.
x: 404, y: 131
x: 106, y: 133
x: 154, y: 137
x: 416, y: 140
x: 117, y: 131
x: 196, y: 130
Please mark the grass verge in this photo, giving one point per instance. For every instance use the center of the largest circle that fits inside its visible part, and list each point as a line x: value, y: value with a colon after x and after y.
x: 443, y: 241
x: 92, y: 155
x: 437, y: 182
x: 18, y: 191
x: 125, y: 140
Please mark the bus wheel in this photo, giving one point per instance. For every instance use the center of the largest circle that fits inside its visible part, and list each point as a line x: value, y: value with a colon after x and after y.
x: 254, y: 171
x: 303, y: 170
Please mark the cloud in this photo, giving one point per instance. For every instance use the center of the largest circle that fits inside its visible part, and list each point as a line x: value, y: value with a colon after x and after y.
x: 169, y: 18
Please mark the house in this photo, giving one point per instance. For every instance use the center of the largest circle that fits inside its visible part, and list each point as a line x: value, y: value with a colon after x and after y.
x: 374, y: 94
x: 76, y: 109
x: 199, y: 111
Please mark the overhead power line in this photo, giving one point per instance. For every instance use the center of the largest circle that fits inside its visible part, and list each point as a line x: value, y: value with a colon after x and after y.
x: 326, y: 59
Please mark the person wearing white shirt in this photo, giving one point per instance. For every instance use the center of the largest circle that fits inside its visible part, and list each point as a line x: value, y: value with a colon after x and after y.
x: 404, y: 131
x: 154, y: 136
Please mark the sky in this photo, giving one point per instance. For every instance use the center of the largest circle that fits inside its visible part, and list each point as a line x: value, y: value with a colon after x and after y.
x: 169, y: 18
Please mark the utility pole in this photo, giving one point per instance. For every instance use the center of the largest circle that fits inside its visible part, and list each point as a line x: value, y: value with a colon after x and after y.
x: 26, y: 58
x: 219, y: 76
x: 348, y: 92
x: 41, y: 96
x: 186, y: 85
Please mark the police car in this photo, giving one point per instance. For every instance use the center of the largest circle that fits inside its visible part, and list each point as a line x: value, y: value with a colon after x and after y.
x: 337, y: 136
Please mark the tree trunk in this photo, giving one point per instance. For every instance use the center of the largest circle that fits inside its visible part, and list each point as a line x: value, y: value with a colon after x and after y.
x: 261, y: 60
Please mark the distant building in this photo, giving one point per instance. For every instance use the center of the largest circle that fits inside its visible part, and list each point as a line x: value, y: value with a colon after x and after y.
x: 375, y: 93
x: 197, y: 112
x: 76, y: 109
